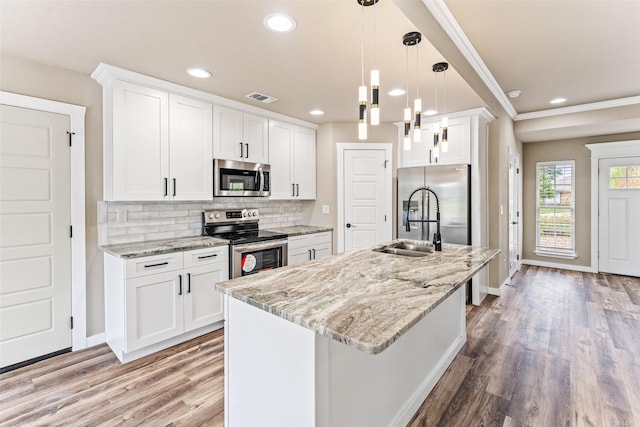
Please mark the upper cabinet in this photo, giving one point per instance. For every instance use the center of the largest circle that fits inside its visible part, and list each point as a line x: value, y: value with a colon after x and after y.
x: 462, y: 132
x: 160, y: 147
x: 240, y: 136
x: 292, y: 150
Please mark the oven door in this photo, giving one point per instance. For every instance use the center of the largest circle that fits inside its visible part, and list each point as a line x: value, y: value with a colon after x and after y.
x: 233, y: 178
x: 252, y: 258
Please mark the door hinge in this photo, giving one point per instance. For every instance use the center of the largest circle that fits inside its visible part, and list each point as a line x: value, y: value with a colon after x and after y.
x: 517, y: 170
x: 70, y: 136
x: 385, y: 218
x: 385, y: 163
x: 518, y: 257
x: 71, y: 231
x: 518, y: 214
x: 71, y: 321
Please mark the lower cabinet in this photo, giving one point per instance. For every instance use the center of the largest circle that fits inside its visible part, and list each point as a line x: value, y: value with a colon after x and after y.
x: 309, y: 247
x: 157, y: 301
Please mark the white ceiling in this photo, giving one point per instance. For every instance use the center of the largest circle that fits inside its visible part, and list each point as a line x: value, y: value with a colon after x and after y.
x: 583, y: 50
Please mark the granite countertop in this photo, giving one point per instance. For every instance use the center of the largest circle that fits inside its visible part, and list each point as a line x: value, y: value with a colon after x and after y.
x: 363, y: 298
x: 164, y: 246
x: 299, y: 230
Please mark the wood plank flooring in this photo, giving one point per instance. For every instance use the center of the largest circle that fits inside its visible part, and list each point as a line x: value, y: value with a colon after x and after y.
x: 559, y: 348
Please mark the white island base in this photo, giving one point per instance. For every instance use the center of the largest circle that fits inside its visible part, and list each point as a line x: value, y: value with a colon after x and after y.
x: 278, y: 373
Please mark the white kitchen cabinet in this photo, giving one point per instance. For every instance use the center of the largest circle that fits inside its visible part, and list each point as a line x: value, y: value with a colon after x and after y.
x: 309, y: 247
x: 157, y: 301
x: 421, y: 153
x: 292, y: 150
x: 160, y: 147
x: 240, y: 136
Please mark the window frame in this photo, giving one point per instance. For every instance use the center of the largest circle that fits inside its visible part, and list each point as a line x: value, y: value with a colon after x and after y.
x: 546, y: 250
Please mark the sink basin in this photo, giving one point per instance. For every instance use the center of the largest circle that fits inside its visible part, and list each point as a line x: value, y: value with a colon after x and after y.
x: 411, y: 248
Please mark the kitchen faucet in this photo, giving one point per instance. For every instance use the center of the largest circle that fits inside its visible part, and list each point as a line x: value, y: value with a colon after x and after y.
x: 437, y: 239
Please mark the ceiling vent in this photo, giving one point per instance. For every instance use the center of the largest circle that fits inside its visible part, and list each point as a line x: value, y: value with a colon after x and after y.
x: 262, y: 98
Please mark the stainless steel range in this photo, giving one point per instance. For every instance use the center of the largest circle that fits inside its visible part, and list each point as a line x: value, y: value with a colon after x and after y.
x: 251, y: 250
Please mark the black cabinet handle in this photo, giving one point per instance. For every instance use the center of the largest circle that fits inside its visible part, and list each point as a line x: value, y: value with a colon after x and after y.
x: 166, y: 186
x: 297, y: 189
x: 314, y: 253
x: 156, y: 265
x: 309, y: 250
x: 188, y: 283
x: 247, y: 155
x: 293, y: 190
x: 207, y: 256
x: 179, y: 284
x: 241, y: 150
x: 174, y: 187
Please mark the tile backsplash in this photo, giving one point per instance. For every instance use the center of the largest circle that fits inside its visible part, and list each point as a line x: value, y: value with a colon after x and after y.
x: 126, y: 222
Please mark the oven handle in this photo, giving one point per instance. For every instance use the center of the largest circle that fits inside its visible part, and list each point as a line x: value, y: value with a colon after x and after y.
x: 250, y: 247
x: 260, y: 180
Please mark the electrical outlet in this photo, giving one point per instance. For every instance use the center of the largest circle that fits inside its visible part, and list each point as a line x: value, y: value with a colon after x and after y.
x: 325, y: 209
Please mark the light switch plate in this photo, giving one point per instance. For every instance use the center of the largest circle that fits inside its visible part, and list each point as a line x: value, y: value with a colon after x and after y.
x: 325, y: 209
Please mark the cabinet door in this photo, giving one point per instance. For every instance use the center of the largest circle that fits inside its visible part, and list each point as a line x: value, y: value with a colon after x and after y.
x: 202, y: 303
x: 256, y: 139
x: 153, y: 309
x: 191, y: 149
x: 227, y: 134
x: 304, y: 163
x: 140, y: 156
x: 280, y: 148
x: 459, y: 150
x: 418, y: 154
x: 322, y: 251
x: 299, y: 255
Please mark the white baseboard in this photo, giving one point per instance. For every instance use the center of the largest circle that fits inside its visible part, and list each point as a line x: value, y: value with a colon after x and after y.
x: 582, y: 268
x: 498, y: 291
x: 97, y: 339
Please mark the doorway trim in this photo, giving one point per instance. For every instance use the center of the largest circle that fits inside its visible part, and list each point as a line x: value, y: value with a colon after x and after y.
x: 341, y: 147
x: 76, y: 115
x: 605, y: 150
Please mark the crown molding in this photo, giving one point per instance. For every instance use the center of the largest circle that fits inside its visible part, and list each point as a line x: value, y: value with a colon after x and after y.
x: 445, y: 18
x: 621, y: 102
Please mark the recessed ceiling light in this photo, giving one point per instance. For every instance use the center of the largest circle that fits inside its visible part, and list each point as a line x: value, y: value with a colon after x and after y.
x: 558, y: 101
x: 514, y: 93
x: 316, y: 112
x: 200, y: 73
x: 279, y: 22
x: 430, y: 112
x: 396, y: 92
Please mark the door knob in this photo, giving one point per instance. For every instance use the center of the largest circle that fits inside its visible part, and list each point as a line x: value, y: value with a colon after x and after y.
x: 348, y: 225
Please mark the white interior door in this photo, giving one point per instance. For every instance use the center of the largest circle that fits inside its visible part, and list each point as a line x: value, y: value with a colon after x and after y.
x: 366, y: 214
x: 619, y: 232
x: 35, y: 246
x: 514, y: 213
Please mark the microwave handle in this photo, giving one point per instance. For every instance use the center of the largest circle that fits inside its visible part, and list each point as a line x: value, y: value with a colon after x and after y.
x: 260, y: 180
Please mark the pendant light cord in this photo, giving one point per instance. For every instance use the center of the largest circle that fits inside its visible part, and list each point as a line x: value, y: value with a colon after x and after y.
x: 417, y: 74
x: 407, y: 88
x: 362, y: 44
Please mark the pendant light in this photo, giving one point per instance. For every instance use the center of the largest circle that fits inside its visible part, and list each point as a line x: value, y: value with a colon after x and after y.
x: 375, y: 76
x: 417, y: 103
x: 375, y: 81
x: 409, y: 39
x: 441, y: 127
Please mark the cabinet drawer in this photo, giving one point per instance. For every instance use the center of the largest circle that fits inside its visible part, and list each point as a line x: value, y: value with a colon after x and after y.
x: 218, y: 254
x: 296, y: 242
x: 137, y: 267
x: 319, y: 238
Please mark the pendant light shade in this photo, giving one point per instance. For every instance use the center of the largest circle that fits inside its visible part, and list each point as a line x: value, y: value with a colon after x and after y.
x: 410, y: 39
x: 417, y: 129
x: 375, y: 92
x: 436, y: 140
x: 441, y: 67
x: 362, y: 113
x: 407, y: 129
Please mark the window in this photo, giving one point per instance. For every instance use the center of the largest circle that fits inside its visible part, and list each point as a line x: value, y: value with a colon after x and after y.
x: 555, y: 209
x: 624, y: 177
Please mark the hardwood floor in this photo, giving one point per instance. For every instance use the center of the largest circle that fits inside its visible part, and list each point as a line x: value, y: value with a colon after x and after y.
x: 559, y: 348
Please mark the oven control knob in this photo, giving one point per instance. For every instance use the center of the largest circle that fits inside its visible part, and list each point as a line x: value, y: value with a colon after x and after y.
x: 216, y: 215
x: 211, y: 216
x: 254, y: 213
x: 245, y: 213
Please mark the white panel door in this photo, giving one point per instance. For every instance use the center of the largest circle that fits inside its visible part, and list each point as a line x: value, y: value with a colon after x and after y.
x: 514, y: 213
x: 35, y: 247
x: 619, y: 232
x: 364, y: 198
x: 191, y: 149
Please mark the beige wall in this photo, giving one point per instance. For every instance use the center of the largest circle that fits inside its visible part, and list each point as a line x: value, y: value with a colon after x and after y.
x: 42, y: 81
x: 571, y: 149
x: 328, y: 135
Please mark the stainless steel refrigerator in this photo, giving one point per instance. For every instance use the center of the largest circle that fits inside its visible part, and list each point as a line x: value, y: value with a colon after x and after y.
x: 452, y: 184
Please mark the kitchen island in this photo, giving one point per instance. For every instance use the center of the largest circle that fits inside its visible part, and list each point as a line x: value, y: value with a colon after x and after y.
x: 354, y: 339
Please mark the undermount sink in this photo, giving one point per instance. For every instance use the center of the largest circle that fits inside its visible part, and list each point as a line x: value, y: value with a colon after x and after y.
x: 412, y: 248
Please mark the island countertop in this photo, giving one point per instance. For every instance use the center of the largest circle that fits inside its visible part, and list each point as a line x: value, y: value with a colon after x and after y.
x: 363, y: 298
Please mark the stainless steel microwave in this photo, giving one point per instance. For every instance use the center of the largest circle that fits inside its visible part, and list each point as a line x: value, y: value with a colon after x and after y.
x: 243, y: 179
